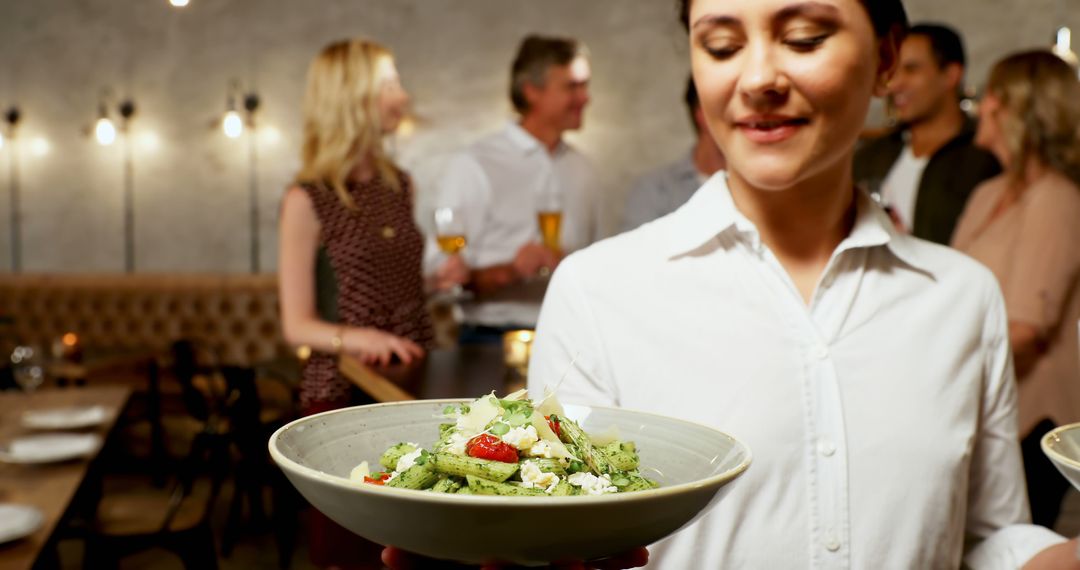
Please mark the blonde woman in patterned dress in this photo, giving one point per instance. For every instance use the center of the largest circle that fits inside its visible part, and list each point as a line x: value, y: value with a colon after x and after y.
x: 350, y: 253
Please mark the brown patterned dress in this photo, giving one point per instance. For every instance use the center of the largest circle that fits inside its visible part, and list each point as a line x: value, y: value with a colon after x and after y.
x: 368, y: 274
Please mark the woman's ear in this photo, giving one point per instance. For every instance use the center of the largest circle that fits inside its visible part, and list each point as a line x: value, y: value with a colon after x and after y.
x: 888, y: 59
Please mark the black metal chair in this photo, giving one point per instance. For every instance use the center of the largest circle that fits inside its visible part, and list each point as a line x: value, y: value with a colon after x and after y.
x: 132, y: 517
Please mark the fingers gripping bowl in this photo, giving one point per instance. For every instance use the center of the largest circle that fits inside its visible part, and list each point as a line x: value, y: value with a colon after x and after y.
x: 692, y: 463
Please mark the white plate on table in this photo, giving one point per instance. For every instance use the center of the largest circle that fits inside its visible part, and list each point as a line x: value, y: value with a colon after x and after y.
x: 18, y: 521
x: 65, y: 418
x: 49, y: 448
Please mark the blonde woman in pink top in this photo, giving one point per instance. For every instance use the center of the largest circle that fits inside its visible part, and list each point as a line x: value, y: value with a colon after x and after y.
x: 1025, y: 226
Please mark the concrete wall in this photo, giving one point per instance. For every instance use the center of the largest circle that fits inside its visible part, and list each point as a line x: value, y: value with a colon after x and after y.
x: 192, y: 183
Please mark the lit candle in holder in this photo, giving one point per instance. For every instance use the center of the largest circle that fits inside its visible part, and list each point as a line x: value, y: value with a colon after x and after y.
x: 517, y: 347
x: 66, y: 347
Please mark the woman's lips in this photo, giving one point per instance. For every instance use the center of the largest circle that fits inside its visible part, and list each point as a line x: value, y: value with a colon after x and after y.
x: 771, y: 131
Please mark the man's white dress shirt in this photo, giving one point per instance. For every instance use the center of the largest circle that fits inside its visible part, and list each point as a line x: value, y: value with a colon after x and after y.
x: 881, y: 417
x: 496, y: 183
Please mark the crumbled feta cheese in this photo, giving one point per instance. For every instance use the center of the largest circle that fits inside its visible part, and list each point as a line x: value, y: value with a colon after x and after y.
x: 532, y: 476
x: 521, y: 438
x: 408, y: 460
x: 591, y: 484
x: 540, y: 449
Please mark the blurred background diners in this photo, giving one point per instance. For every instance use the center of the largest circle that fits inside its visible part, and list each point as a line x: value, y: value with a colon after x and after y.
x: 1025, y: 226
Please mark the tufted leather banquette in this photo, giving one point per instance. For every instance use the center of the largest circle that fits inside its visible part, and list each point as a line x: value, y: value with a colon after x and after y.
x: 231, y: 319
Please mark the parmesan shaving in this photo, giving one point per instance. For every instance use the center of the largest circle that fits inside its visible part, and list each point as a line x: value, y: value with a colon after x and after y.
x: 359, y: 472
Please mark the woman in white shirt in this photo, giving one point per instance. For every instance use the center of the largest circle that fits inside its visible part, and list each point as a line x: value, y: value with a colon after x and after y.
x: 868, y: 371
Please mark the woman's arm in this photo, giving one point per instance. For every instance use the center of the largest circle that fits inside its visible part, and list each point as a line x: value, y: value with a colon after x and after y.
x: 1026, y: 345
x: 300, y: 323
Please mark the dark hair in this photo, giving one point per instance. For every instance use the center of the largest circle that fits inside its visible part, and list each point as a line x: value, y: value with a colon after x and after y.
x: 945, y: 42
x: 693, y: 103
x: 534, y: 57
x: 887, y: 16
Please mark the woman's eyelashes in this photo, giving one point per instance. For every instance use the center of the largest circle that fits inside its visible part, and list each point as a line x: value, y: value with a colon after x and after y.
x: 806, y: 44
x: 802, y: 42
x: 721, y: 52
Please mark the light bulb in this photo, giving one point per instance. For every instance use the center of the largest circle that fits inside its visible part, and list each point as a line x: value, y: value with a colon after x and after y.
x: 179, y: 3
x: 1064, y: 39
x: 105, y: 132
x: 232, y: 124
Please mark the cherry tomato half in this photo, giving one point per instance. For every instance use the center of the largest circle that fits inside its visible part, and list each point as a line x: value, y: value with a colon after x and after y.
x: 380, y: 480
x: 486, y: 446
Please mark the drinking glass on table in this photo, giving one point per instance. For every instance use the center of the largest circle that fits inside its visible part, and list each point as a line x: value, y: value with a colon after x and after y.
x: 450, y: 235
x: 28, y: 367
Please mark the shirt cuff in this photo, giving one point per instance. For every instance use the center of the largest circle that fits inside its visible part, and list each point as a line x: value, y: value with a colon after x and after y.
x: 1011, y: 547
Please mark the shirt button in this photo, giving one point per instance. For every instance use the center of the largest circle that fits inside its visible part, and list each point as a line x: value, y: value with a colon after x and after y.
x: 821, y: 352
x: 826, y: 448
x: 831, y: 544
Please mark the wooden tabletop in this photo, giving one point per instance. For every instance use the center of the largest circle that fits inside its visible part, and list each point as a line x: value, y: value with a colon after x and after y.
x: 49, y: 487
x: 468, y: 371
x: 100, y: 360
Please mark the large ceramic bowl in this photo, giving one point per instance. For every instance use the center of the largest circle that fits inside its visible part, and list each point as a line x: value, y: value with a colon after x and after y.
x: 1062, y: 446
x: 692, y: 462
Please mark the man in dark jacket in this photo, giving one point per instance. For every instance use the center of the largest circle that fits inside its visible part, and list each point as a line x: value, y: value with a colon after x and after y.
x: 926, y: 169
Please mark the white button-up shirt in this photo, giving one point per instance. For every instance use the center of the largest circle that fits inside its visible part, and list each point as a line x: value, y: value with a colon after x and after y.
x: 495, y: 184
x: 881, y: 417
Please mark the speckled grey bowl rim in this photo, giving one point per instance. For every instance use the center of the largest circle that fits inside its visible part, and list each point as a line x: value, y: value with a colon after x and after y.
x: 1052, y: 437
x: 717, y: 480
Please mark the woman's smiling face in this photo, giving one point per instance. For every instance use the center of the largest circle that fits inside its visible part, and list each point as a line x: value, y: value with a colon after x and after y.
x: 785, y: 84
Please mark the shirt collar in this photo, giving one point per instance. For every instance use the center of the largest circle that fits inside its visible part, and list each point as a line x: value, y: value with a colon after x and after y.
x: 711, y: 212
x: 524, y: 140
x: 708, y: 213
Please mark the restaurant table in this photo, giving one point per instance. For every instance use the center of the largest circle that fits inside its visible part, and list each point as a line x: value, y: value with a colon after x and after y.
x: 135, y: 367
x: 48, y: 487
x: 99, y: 361
x: 465, y: 371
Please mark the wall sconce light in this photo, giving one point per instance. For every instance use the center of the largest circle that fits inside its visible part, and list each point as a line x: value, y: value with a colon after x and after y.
x: 179, y: 3
x: 235, y: 123
x: 127, y: 111
x: 251, y: 105
x: 104, y: 130
x: 232, y: 123
x: 11, y: 123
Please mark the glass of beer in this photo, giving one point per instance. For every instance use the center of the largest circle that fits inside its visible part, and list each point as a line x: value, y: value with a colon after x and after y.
x: 549, y: 213
x: 450, y: 235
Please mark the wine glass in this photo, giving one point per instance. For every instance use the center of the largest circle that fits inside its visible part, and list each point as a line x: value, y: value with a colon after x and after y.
x: 450, y: 235
x: 27, y: 367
